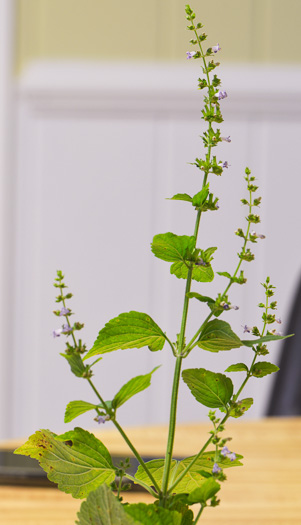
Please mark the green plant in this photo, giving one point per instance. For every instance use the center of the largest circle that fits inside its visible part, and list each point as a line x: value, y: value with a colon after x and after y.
x: 79, y: 462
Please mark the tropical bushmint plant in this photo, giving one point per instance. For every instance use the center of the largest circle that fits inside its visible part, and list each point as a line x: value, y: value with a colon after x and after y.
x: 80, y: 463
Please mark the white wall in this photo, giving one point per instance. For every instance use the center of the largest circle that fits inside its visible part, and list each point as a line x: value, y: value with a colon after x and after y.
x: 98, y: 149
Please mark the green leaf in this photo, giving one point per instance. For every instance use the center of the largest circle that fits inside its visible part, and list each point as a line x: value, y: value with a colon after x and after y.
x: 206, y: 491
x: 211, y: 389
x: 132, y: 387
x: 264, y: 339
x: 202, y: 274
x: 171, y: 247
x: 218, y: 335
x: 76, y: 408
x: 263, y: 368
x: 225, y: 274
x: 128, y: 330
x: 156, y: 468
x: 103, y: 508
x: 152, y: 514
x: 201, y: 196
x: 202, y: 298
x: 239, y: 367
x: 76, y: 364
x: 181, y: 197
x: 77, y: 461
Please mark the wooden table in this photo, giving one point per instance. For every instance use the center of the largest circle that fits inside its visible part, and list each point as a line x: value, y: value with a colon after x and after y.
x: 266, y: 491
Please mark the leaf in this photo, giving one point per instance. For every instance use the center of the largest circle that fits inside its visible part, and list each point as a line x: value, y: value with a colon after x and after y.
x: 225, y: 274
x: 170, y: 247
x: 76, y: 364
x: 132, y: 387
x: 152, y: 514
x: 128, y: 330
x: 201, y: 196
x: 208, y: 489
x: 202, y: 298
x: 202, y: 274
x: 181, y: 197
x: 218, y: 335
x: 264, y: 339
x: 263, y: 368
x: 239, y: 367
x: 211, y: 389
x: 103, y: 508
x: 156, y: 467
x: 76, y: 408
x: 77, y: 461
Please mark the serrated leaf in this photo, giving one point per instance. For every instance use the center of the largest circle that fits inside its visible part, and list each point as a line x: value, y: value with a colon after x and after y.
x: 152, y: 514
x: 128, y: 330
x: 211, y: 389
x: 199, y: 297
x: 170, y: 247
x: 238, y: 367
x: 263, y: 368
x: 202, y: 274
x: 156, y: 467
x: 134, y: 386
x: 208, y: 489
x: 264, y: 339
x: 77, y: 461
x: 76, y: 364
x: 76, y: 408
x: 218, y: 335
x: 103, y: 508
x: 181, y: 197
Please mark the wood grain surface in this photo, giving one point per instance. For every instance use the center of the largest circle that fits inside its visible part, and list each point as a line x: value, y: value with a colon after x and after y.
x: 266, y: 491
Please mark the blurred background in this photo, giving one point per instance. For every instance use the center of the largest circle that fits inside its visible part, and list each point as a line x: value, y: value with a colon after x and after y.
x: 99, y: 120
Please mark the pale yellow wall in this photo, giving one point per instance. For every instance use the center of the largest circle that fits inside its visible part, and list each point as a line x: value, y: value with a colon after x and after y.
x: 247, y: 30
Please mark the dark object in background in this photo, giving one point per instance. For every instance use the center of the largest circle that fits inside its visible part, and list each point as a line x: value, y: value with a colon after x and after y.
x: 286, y: 393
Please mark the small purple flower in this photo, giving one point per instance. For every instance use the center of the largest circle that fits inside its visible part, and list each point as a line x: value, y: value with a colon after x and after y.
x: 226, y: 139
x: 100, y: 419
x: 64, y: 311
x: 216, y: 469
x: 235, y: 307
x: 231, y: 456
x: 226, y: 164
x: 247, y: 328
x: 274, y: 332
x: 225, y: 305
x: 225, y: 451
x: 200, y: 262
x: 57, y: 332
x: 221, y: 94
x: 216, y: 48
x: 66, y: 329
x: 278, y: 320
x: 190, y: 54
x: 257, y: 235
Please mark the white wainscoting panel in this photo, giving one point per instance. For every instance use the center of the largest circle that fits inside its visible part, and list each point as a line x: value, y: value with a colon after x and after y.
x: 99, y: 148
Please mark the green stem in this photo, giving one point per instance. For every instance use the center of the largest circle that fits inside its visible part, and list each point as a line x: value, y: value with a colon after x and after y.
x: 198, y: 515
x: 142, y: 484
x: 125, y: 437
x: 170, y: 490
x: 172, y: 424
